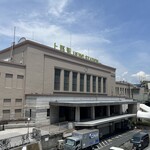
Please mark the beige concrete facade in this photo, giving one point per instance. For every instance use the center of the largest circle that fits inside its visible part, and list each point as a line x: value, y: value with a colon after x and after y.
x: 32, y: 70
x: 11, y: 90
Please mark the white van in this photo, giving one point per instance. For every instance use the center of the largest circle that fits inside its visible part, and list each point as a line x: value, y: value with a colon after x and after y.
x: 115, y: 148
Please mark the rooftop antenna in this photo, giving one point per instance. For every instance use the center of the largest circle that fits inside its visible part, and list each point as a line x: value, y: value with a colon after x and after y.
x: 13, y: 44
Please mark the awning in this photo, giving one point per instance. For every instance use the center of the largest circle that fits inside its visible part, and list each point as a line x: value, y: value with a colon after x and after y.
x: 103, y: 121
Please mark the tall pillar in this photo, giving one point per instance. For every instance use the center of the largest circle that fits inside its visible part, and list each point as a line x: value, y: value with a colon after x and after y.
x: 120, y: 109
x: 93, y: 113
x: 62, y: 80
x: 78, y: 82
x: 77, y: 114
x: 70, y: 81
x: 108, y: 110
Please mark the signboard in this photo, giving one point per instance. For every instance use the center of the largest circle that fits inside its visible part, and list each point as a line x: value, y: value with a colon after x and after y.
x: 77, y: 54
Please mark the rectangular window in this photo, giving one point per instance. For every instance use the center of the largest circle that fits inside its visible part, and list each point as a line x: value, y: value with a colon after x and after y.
x: 18, y: 102
x: 7, y: 102
x: 20, y: 81
x: 88, y: 83
x: 48, y: 112
x: 99, y: 84
x: 94, y: 84
x: 20, y: 76
x: 66, y: 80
x: 104, y: 85
x: 17, y: 113
x: 57, y: 79
x: 8, y: 80
x: 7, y: 75
x: 6, y: 114
x: 74, y: 81
x: 81, y: 82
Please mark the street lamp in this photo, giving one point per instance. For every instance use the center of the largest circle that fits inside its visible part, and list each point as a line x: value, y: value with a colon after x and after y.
x: 28, y: 125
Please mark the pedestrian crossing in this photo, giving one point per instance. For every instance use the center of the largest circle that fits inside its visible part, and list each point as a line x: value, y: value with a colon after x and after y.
x: 107, y: 142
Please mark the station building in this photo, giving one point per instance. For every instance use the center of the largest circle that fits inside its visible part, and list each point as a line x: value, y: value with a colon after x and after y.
x: 52, y: 85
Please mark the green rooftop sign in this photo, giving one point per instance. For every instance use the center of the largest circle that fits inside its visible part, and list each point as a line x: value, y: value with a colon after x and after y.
x: 77, y: 54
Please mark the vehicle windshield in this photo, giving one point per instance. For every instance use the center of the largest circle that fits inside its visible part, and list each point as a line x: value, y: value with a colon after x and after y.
x: 136, y: 139
x: 70, y: 142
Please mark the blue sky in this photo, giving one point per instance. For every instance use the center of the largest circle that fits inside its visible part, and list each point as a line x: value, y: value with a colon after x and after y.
x: 116, y: 32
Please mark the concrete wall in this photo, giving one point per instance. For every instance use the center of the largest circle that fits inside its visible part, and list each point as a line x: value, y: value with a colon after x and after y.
x: 12, y: 87
x: 50, y: 141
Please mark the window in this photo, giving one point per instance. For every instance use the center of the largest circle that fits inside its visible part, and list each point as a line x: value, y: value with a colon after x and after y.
x: 6, y: 114
x: 20, y: 81
x: 18, y: 102
x: 94, y: 84
x: 81, y: 82
x: 20, y: 76
x: 17, y: 113
x: 48, y: 112
x: 66, y: 80
x: 88, y: 83
x: 7, y: 102
x: 104, y: 85
x: 57, y: 79
x: 8, y: 75
x: 99, y: 84
x: 8, y: 80
x: 74, y: 81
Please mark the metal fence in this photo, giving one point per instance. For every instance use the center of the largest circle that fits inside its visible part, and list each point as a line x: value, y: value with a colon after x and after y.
x: 54, y: 128
x: 20, y: 140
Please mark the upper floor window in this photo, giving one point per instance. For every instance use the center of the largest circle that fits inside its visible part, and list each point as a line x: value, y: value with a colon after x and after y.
x: 74, y: 81
x: 99, y: 84
x: 8, y: 80
x: 104, y: 85
x: 66, y: 80
x: 81, y: 82
x: 18, y: 102
x: 57, y: 79
x: 94, y: 83
x: 20, y: 81
x: 88, y: 83
x: 7, y: 102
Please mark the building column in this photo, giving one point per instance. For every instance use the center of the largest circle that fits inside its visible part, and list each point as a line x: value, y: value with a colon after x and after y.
x: 77, y: 114
x: 62, y: 80
x: 91, y: 84
x: 70, y: 81
x: 93, y: 113
x: 120, y: 109
x: 108, y: 110
x: 78, y: 82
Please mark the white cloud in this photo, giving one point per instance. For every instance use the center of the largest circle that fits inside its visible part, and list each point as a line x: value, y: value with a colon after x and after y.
x: 56, y: 7
x: 141, y: 75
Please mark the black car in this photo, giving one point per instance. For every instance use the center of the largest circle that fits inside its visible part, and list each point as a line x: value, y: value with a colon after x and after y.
x: 140, y: 140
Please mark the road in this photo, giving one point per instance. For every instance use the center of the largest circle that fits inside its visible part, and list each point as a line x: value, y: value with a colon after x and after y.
x: 117, y: 140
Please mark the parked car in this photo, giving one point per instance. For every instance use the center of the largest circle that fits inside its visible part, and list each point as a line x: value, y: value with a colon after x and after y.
x: 140, y: 140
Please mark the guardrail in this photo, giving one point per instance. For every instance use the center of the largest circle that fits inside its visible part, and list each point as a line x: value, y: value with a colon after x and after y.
x: 20, y: 140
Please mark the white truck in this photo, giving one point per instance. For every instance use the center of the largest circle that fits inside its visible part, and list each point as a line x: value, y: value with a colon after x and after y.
x: 82, y: 139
